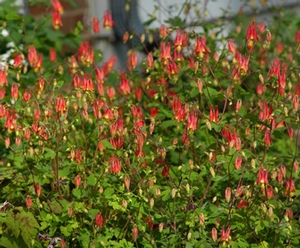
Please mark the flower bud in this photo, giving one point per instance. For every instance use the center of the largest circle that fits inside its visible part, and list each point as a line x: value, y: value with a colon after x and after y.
x: 37, y: 189
x: 70, y: 211
x: 202, y: 219
x: 124, y: 203
x: 135, y: 233
x: 157, y: 192
x: 28, y: 201
x: 238, y: 105
x: 228, y: 194
x: 214, y: 234
x: 99, y: 219
x: 77, y: 180
x: 127, y: 183
x: 151, y: 203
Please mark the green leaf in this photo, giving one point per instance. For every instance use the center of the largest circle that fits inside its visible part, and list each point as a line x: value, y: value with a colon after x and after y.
x: 242, y: 111
x: 28, y: 226
x: 91, y: 180
x: 106, y: 144
x: 108, y: 193
x: 13, y: 16
x: 8, y: 242
x: 194, y: 93
x: 77, y: 192
x: 169, y: 123
x: 64, y: 230
x: 166, y: 113
x: 49, y: 154
x: 64, y: 172
x: 12, y: 225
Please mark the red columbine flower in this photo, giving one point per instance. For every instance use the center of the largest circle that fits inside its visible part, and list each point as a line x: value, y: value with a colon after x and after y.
x: 110, y: 91
x: 87, y: 83
x: 2, y: 93
x: 238, y: 162
x: 178, y: 56
x: 231, y: 46
x: 124, y: 85
x: 18, y: 60
x: 153, y: 112
x: 165, y: 52
x: 150, y: 60
x: 77, y: 180
x: 96, y: 25
x: 108, y: 21
x: 132, y: 61
x: 99, y: 219
x: 192, y: 121
x: 163, y: 32
x: 52, y: 54
x: 14, y: 91
x: 166, y: 170
x: 32, y: 55
x: 56, y: 20
x: 275, y: 68
x: 60, y: 104
x: 3, y: 79
x: 57, y: 6
x: 260, y: 89
x: 86, y: 53
x: 225, y: 236
x: 138, y: 93
x: 171, y: 68
x: 262, y: 177
x: 136, y: 111
x: 243, y: 65
x: 73, y: 65
x: 111, y: 62
x: 267, y: 137
x: 36, y: 114
x: 115, y: 165
x: 282, y: 80
x: 181, y: 40
x: 37, y: 189
x: 290, y: 188
x: 28, y: 201
x: 181, y: 113
x: 251, y: 35
x: 200, y: 47
x: 2, y: 111
x: 265, y: 112
x: 213, y: 114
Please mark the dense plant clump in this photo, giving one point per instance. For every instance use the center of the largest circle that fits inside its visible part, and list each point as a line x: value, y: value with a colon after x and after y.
x: 192, y: 147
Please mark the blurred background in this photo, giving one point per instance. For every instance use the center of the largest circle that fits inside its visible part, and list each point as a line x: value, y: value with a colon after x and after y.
x: 140, y: 16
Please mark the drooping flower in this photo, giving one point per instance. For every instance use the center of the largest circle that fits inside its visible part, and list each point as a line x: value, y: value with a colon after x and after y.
x: 200, y: 47
x: 108, y: 21
x: 225, y: 235
x: 56, y: 20
x: 99, y: 220
x: 56, y: 5
x: 52, y: 54
x: 96, y: 25
x: 115, y: 165
x: 262, y: 177
x: 181, y: 40
x: 251, y: 35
